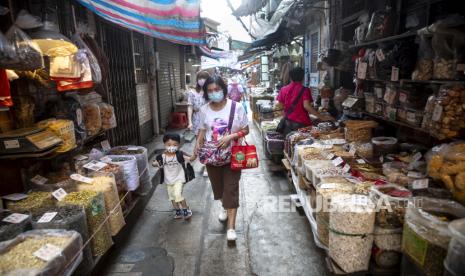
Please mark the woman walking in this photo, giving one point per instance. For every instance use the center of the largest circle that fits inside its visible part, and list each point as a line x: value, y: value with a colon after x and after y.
x: 225, y: 122
x: 196, y: 100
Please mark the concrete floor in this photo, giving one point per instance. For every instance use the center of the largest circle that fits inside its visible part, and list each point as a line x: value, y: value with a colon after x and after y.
x: 272, y: 240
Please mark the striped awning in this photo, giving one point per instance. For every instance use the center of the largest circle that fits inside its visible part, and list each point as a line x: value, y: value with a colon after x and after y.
x: 205, y: 51
x: 177, y: 21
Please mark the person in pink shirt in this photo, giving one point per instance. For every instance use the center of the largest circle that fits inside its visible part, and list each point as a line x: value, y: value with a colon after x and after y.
x: 298, y: 116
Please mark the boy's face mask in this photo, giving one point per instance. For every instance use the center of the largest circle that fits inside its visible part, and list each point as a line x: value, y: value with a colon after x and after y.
x: 172, y: 149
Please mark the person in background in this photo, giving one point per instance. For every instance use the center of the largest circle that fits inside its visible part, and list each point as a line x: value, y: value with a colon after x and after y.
x: 299, y: 117
x: 235, y: 91
x: 214, y: 127
x: 172, y: 163
x: 196, y: 100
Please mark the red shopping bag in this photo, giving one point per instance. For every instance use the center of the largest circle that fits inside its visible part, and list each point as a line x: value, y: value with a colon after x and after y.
x: 244, y: 157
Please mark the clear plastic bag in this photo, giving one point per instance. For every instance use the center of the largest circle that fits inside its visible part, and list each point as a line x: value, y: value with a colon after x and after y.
x: 9, y: 230
x: 27, y: 55
x: 71, y: 217
x: 105, y: 183
x: 424, y: 67
x: 84, y: 80
x: 392, y: 201
x: 142, y: 165
x: 94, y: 205
x: 92, y: 118
x: 64, y: 129
x: 7, y: 51
x: 93, y: 62
x: 107, y: 114
x: 426, y: 233
x: 448, y: 117
x: 129, y: 165
x: 381, y: 24
x: 17, y: 255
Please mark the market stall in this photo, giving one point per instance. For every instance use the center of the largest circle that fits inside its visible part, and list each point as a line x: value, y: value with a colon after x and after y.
x: 59, y: 172
x: 382, y: 187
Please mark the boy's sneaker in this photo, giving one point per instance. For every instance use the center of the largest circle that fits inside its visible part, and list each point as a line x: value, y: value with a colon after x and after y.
x: 187, y: 214
x: 177, y: 214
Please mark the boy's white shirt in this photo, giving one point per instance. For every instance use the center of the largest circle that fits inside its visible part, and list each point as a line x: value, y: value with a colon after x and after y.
x: 173, y: 171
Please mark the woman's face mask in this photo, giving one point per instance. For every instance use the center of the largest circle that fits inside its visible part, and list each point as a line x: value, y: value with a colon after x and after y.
x: 171, y: 149
x: 216, y: 96
x: 201, y: 82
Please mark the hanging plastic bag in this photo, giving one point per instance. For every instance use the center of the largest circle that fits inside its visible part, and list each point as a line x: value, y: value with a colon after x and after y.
x: 7, y: 51
x: 85, y: 80
x: 26, y: 55
x: 93, y: 62
x: 65, y: 68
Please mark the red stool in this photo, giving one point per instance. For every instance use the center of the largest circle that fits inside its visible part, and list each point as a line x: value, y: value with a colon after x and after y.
x: 178, y: 120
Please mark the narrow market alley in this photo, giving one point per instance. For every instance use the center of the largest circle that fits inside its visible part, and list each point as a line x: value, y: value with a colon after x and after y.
x: 270, y: 242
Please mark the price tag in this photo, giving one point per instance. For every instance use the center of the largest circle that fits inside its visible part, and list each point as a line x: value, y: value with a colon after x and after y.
x: 105, y: 145
x: 80, y: 157
x: 416, y: 157
x: 15, y: 197
x: 394, y: 73
x: 48, y: 252
x: 402, y: 97
x: 420, y: 184
x: 360, y: 200
x: 413, y: 174
x: 361, y: 161
x: 346, y: 168
x: 379, y: 92
x: 59, y: 194
x: 437, y: 113
x: 81, y: 178
x: 11, y: 144
x: 328, y: 186
x: 47, y: 217
x: 380, y: 55
x: 338, y: 161
x: 95, y: 165
x: 15, y: 218
x: 352, y: 150
x: 362, y: 70
x: 330, y: 156
x: 39, y: 180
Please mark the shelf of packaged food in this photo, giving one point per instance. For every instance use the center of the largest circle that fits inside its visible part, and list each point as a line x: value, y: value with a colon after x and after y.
x: 419, y: 82
x: 383, y: 40
x: 396, y: 123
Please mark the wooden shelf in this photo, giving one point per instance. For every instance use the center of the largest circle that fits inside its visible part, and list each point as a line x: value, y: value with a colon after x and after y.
x: 383, y: 40
x: 427, y: 82
x: 396, y: 123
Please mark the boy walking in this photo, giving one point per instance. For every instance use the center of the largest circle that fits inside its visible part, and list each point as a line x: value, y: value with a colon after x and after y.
x: 174, y: 174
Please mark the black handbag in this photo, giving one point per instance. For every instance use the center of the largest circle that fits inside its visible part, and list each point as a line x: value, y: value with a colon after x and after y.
x: 285, y: 122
